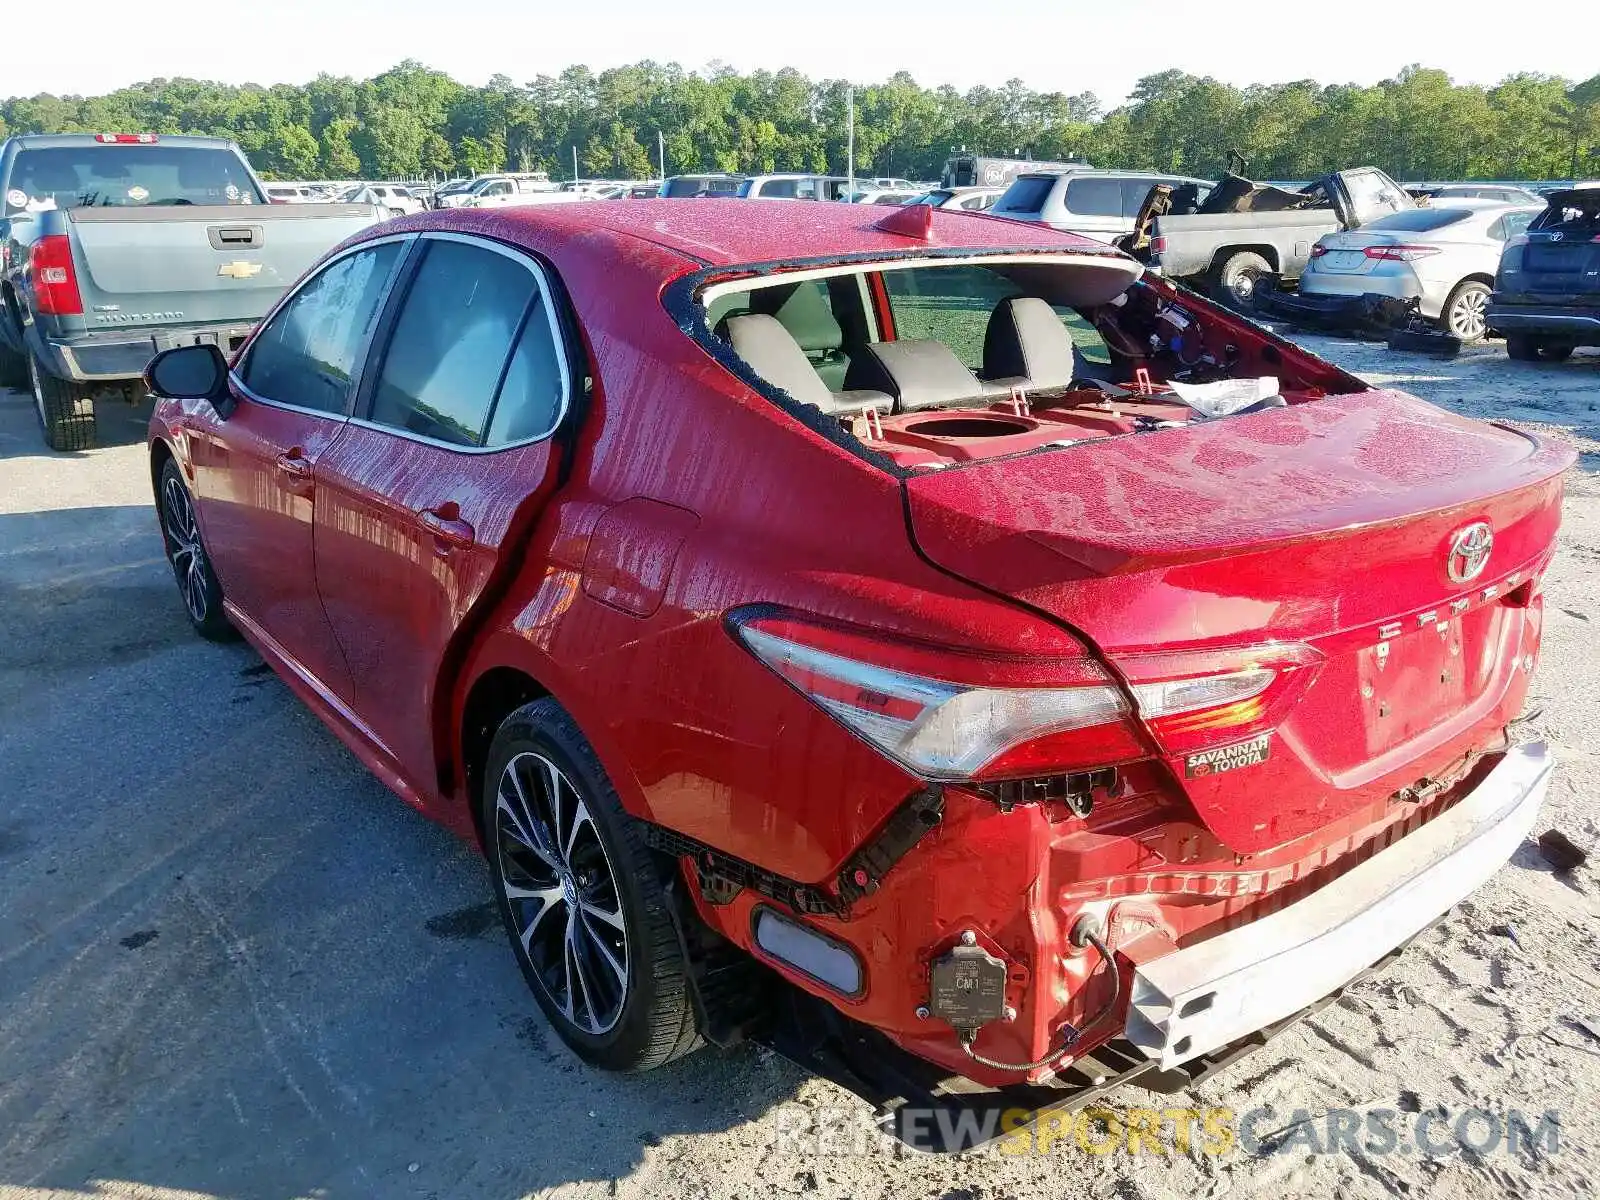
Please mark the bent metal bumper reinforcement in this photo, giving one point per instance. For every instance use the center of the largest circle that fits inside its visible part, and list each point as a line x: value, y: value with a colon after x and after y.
x: 722, y: 876
x: 1189, y: 1003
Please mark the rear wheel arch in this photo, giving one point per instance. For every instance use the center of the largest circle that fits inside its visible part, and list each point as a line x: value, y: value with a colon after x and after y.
x: 494, y: 695
x: 1270, y: 253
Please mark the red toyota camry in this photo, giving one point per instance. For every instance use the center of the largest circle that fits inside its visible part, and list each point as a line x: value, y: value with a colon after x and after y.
x: 921, y: 640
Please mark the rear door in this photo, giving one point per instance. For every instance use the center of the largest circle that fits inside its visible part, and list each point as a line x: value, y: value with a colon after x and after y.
x: 451, y: 453
x: 254, y: 470
x: 1094, y: 207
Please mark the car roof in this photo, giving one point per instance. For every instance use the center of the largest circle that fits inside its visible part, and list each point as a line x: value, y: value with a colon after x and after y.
x: 715, y: 232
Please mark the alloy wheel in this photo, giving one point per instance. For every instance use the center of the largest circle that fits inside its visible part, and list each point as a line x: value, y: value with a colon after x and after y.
x: 563, y: 895
x: 1468, y: 315
x: 184, y: 547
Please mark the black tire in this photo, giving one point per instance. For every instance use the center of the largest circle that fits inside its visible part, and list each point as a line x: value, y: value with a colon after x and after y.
x: 13, y: 367
x: 1431, y: 341
x: 1520, y: 347
x: 1525, y: 347
x: 1465, y: 310
x: 198, y: 586
x: 1237, y: 278
x: 634, y: 1011
x: 65, y: 409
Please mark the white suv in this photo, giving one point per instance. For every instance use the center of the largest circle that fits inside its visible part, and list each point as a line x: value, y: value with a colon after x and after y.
x: 1095, y: 203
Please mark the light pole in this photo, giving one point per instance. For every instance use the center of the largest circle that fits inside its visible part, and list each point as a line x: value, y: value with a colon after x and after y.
x: 850, y: 139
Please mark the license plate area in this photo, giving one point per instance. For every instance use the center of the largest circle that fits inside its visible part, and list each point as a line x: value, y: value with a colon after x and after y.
x: 1344, y: 261
x: 1421, y: 677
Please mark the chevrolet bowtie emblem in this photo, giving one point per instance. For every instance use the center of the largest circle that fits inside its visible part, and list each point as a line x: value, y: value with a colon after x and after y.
x: 239, y: 270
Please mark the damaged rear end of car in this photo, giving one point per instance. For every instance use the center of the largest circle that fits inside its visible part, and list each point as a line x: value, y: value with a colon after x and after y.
x: 1265, y: 743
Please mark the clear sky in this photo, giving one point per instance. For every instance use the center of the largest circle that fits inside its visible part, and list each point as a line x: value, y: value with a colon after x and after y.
x: 1102, y: 46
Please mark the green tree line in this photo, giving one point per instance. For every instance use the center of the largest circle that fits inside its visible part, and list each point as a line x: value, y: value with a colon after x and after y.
x: 412, y: 121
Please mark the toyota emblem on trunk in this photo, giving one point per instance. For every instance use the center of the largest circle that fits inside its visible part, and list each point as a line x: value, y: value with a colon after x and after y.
x: 1469, y: 551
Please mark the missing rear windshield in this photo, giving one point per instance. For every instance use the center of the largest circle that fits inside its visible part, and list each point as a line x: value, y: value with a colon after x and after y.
x: 931, y: 364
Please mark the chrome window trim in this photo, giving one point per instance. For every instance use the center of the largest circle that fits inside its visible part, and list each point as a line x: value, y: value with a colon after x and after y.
x: 235, y: 373
x: 557, y: 339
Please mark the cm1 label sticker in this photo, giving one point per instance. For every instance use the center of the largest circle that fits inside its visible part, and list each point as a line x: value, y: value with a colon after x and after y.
x: 1228, y: 758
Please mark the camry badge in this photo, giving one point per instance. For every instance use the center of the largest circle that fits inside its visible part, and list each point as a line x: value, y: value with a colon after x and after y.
x: 239, y: 270
x: 1469, y: 552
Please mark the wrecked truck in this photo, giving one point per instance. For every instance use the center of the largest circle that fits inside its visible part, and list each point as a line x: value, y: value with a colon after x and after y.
x: 1246, y: 233
x: 920, y: 642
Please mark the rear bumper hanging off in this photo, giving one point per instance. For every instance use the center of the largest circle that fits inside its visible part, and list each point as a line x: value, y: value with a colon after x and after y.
x: 1192, y: 1001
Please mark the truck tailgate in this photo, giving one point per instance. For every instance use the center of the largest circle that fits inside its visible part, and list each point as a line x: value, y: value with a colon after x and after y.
x: 188, y: 265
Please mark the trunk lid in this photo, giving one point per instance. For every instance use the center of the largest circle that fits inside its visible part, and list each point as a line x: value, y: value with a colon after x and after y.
x: 192, y: 264
x: 1329, y: 524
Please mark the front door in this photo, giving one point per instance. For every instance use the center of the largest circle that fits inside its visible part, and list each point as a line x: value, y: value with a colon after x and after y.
x: 254, y: 471
x: 445, y: 466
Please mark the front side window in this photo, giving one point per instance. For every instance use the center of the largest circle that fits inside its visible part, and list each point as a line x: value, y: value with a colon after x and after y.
x: 472, y: 361
x: 1026, y: 194
x: 308, y: 353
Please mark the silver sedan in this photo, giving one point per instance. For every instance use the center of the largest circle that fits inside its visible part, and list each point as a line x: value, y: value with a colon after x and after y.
x: 1445, y: 256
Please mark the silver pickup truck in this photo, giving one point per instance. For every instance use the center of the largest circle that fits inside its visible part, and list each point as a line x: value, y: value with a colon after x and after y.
x: 1244, y: 231
x: 115, y: 246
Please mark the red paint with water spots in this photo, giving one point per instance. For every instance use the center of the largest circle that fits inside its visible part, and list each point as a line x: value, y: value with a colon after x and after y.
x: 606, y: 560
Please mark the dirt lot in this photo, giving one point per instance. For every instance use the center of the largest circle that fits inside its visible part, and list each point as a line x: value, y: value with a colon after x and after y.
x: 232, y: 965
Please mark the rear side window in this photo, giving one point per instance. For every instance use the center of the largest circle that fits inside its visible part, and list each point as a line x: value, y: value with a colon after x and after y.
x: 1094, y: 196
x: 307, y: 354
x: 1027, y: 194
x: 451, y: 346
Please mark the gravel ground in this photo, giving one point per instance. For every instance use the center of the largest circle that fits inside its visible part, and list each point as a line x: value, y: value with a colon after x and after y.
x: 232, y: 965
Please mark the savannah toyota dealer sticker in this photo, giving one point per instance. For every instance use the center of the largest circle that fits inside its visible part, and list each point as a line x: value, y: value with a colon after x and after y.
x: 1228, y: 758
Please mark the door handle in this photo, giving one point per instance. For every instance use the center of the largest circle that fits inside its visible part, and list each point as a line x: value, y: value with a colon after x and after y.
x: 296, y: 468
x: 449, y: 531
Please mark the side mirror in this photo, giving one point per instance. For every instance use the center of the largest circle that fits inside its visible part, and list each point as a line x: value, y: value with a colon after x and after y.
x: 190, y: 373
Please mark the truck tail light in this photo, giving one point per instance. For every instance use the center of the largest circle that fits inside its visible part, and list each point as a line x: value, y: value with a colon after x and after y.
x: 55, y: 280
x: 1158, y: 246
x: 126, y: 139
x: 1400, y: 253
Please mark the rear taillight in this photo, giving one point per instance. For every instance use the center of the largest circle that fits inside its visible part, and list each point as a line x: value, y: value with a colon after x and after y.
x: 1192, y: 700
x: 1400, y: 253
x: 1318, y: 250
x: 945, y: 714
x: 1158, y: 246
x: 126, y: 139
x: 55, y: 280
x: 948, y: 715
